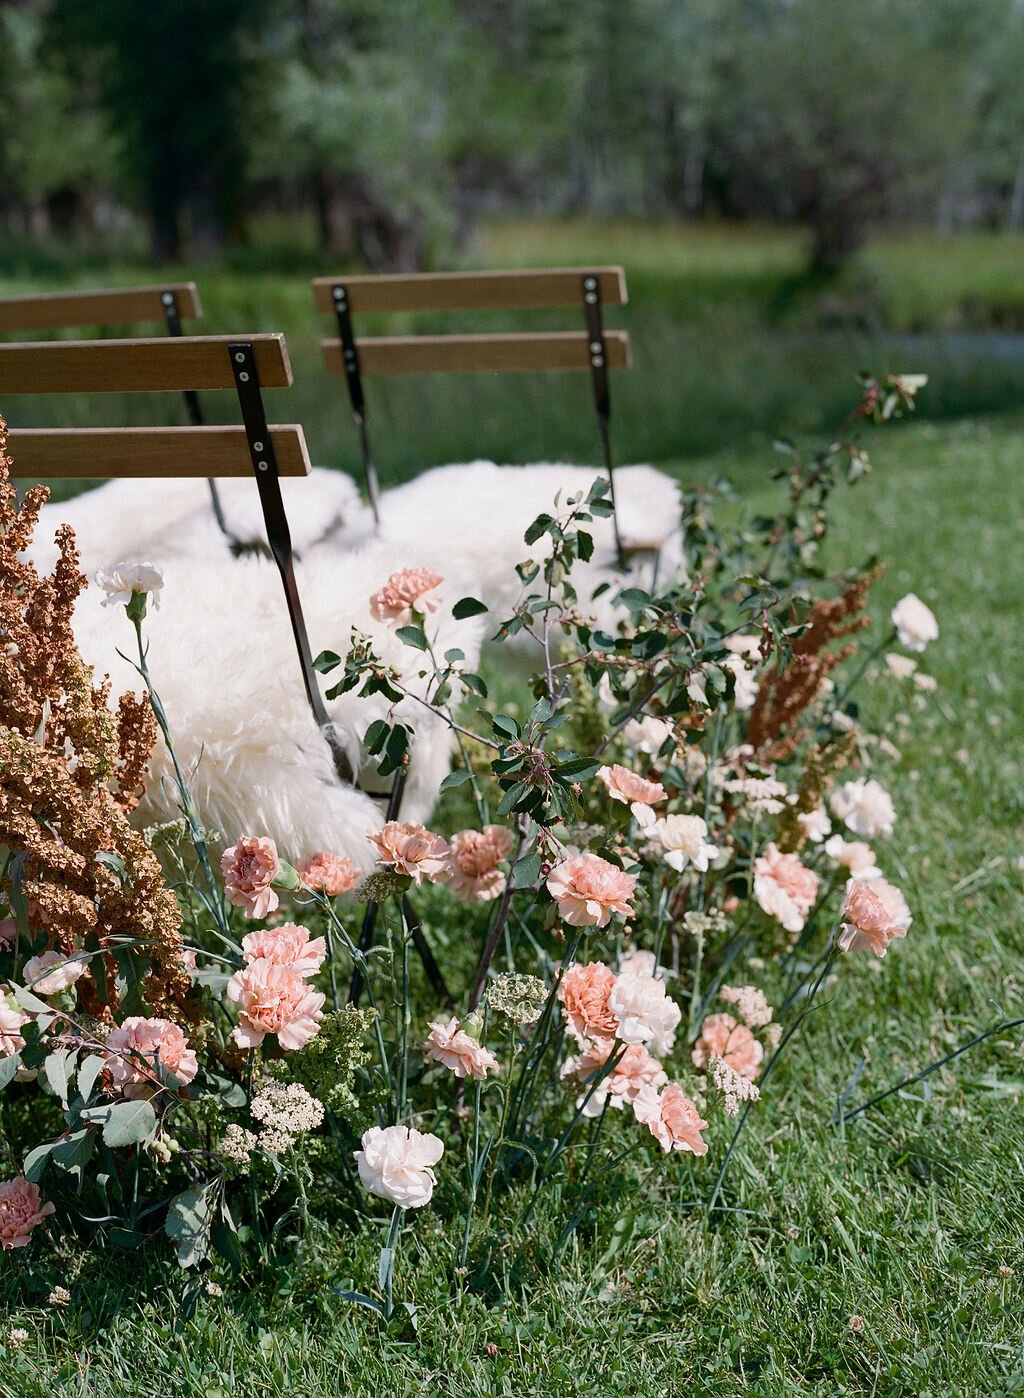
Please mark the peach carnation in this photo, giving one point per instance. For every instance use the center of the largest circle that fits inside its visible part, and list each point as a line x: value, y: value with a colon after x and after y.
x: 636, y: 1068
x: 21, y: 1210
x: 449, y: 1044
x: 288, y: 944
x: 12, y: 1018
x: 874, y: 914
x: 473, y: 874
x: 584, y: 992
x: 329, y: 873
x: 404, y: 591
x: 250, y: 867
x: 672, y: 1119
x: 50, y: 973
x: 411, y: 849
x: 635, y: 792
x: 784, y: 887
x: 138, y: 1047
x: 723, y: 1037
x: 588, y: 890
x: 274, y: 999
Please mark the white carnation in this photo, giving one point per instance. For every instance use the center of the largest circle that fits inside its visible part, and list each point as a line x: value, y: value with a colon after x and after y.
x: 865, y: 807
x: 395, y: 1163
x: 646, y: 1015
x: 915, y: 624
x: 120, y: 580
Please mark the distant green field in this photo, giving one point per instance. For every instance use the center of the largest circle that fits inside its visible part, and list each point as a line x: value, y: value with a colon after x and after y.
x: 731, y: 346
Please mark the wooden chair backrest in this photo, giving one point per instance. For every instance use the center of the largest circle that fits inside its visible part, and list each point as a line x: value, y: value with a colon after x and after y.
x: 144, y: 365
x: 519, y: 290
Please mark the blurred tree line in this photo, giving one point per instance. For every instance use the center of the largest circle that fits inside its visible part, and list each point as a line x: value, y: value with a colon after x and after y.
x: 402, y: 122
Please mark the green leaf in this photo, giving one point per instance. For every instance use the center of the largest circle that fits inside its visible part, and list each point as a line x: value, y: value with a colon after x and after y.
x: 124, y: 1123
x: 58, y: 1069
x: 88, y: 1071
x: 541, y: 711
x: 454, y: 779
x: 466, y: 607
x: 537, y: 528
x: 358, y: 1298
x: 36, y: 1162
x: 526, y: 871
x: 8, y: 1069
x: 578, y: 768
x: 75, y: 1150
x: 28, y: 1001
x: 114, y: 863
x: 188, y: 1223
x: 412, y: 636
x: 506, y: 726
x: 127, y: 1239
x: 326, y: 661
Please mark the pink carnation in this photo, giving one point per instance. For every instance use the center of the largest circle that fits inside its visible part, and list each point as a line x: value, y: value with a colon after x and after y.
x: 21, y: 1209
x: 874, y: 915
x: 473, y: 874
x: 588, y: 890
x: 447, y: 1043
x: 723, y: 1037
x: 250, y: 868
x: 635, y: 1069
x: 12, y: 1018
x: 584, y: 992
x: 404, y: 591
x: 329, y: 873
x: 633, y: 791
x: 784, y: 887
x: 274, y: 999
x: 411, y: 849
x: 135, y: 1049
x: 286, y: 945
x: 671, y: 1118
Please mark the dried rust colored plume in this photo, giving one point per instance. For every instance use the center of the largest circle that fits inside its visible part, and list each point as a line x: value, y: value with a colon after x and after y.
x: 70, y: 772
x: 783, y: 698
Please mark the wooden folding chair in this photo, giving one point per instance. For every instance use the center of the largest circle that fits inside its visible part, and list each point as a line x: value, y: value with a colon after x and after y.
x: 592, y: 349
x: 185, y: 364
x: 110, y: 309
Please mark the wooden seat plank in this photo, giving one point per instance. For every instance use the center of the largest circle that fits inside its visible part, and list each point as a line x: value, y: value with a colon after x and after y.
x: 481, y: 354
x: 95, y: 452
x: 115, y: 306
x: 130, y: 366
x: 522, y: 289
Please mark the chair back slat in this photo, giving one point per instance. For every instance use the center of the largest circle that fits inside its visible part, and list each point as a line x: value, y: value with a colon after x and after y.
x: 118, y: 306
x: 129, y: 366
x: 87, y: 453
x: 519, y: 290
x: 477, y: 354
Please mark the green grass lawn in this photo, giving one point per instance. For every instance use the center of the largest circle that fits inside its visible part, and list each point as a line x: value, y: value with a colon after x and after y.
x: 911, y: 1219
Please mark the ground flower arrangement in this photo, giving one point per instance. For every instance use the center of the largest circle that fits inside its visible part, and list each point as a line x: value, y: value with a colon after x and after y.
x: 640, y: 873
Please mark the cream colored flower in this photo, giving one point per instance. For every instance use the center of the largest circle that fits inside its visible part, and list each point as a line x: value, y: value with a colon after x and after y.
x: 914, y: 622
x: 865, y: 807
x: 121, y: 580
x: 644, y: 1012
x: 683, y: 838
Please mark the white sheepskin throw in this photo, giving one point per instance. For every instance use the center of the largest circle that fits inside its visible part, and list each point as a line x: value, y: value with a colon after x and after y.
x: 158, y: 520
x: 468, y: 521
x: 223, y: 661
